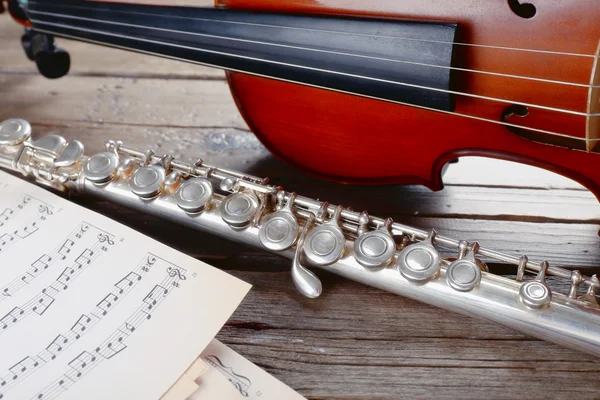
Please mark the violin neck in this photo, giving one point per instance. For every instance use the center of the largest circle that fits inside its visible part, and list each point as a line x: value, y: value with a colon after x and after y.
x: 398, y: 61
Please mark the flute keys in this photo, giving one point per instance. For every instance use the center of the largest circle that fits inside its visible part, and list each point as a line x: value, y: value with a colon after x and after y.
x: 536, y: 294
x: 238, y: 209
x: 279, y: 230
x: 464, y: 274
x: 100, y: 168
x: 14, y: 131
x: 420, y: 262
x: 70, y: 154
x: 172, y: 181
x: 147, y: 181
x: 194, y: 195
x: 325, y: 244
x: 48, y: 148
x: 376, y: 248
x: 125, y: 168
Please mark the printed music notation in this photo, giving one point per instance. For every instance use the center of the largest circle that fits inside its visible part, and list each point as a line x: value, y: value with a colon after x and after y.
x: 58, y: 255
x: 250, y: 381
x: 26, y: 222
x: 78, y: 290
x: 82, y: 326
x: 42, y: 301
x: 11, y: 212
x: 115, y: 343
x: 240, y: 382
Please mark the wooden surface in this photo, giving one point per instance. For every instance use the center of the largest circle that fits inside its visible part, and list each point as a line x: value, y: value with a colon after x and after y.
x: 354, y: 342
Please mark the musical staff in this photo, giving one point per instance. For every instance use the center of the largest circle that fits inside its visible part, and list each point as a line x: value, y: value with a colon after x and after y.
x: 10, y: 213
x: 31, y: 225
x: 45, y: 261
x: 115, y: 343
x: 84, y: 324
x: 40, y: 303
x: 78, y: 290
x: 7, y: 214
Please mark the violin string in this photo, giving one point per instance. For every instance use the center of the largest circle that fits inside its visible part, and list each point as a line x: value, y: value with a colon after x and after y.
x: 405, y: 84
x: 100, y: 8
x: 469, y: 116
x: 551, y: 81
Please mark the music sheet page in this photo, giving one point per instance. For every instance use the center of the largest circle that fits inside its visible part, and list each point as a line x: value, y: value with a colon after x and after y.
x: 90, y: 309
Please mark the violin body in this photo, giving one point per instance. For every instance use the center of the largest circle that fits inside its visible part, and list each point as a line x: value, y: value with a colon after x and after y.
x: 525, y: 82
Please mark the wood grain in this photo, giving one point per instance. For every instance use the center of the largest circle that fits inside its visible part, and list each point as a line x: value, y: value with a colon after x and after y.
x: 354, y: 342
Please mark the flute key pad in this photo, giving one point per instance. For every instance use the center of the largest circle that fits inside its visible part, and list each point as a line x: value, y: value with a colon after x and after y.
x: 463, y: 275
x: 278, y: 231
x: 238, y: 209
x: 14, y: 131
x: 419, y: 262
x: 147, y: 182
x: 324, y: 245
x: 535, y: 294
x: 194, y: 195
x: 374, y: 249
x: 100, y: 168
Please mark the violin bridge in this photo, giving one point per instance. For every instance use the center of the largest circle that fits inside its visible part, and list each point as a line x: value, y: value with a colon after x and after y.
x: 592, y: 129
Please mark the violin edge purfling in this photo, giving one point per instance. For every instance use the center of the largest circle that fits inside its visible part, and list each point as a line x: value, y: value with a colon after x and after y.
x: 312, y: 233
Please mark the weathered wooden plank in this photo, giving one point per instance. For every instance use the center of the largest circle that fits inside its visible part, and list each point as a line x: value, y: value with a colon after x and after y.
x: 492, y: 172
x: 356, y: 342
x: 151, y: 102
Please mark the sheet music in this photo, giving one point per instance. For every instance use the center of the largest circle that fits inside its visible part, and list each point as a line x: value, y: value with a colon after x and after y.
x: 92, y: 309
x: 250, y: 381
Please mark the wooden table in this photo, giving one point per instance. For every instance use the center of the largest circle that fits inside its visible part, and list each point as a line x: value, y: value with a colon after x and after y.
x: 353, y: 342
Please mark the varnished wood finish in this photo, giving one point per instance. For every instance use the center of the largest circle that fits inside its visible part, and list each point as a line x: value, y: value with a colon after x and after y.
x: 328, y: 134
x: 546, y: 62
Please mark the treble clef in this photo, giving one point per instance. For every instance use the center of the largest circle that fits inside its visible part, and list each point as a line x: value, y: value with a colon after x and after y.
x: 176, y: 272
x: 43, y: 209
x: 105, y: 238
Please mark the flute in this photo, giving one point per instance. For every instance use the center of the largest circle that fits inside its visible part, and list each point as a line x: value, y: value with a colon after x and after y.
x: 315, y: 234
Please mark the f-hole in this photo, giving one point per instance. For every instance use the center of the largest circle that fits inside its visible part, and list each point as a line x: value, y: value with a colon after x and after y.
x: 516, y: 110
x: 523, y: 10
x: 520, y: 111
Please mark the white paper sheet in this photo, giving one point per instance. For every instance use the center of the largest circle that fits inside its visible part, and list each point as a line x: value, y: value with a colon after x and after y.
x: 250, y: 381
x: 90, y: 309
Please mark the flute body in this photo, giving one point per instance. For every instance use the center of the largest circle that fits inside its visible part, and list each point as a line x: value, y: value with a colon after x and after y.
x: 315, y: 234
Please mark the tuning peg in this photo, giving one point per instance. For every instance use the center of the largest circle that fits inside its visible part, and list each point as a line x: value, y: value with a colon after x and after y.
x: 52, y: 62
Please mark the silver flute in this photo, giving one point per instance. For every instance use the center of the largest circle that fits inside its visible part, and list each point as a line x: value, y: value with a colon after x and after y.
x: 315, y: 234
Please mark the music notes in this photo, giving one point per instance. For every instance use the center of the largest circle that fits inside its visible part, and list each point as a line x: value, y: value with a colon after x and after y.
x: 30, y: 214
x: 82, y: 326
x: 78, y: 291
x: 58, y: 255
x: 43, y: 300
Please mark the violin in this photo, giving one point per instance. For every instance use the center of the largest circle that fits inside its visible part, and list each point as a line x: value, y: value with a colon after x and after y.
x: 374, y: 92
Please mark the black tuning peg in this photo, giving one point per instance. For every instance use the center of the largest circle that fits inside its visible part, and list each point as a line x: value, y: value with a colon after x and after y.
x: 51, y: 61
